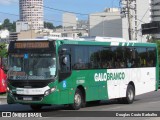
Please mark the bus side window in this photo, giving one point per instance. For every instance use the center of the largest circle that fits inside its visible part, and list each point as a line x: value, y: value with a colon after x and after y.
x: 142, y: 56
x: 151, y: 55
x: 80, y: 58
x: 80, y: 64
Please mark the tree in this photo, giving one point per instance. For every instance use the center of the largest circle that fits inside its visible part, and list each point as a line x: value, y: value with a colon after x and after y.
x: 79, y: 34
x: 12, y: 27
x: 8, y: 25
x: 59, y: 26
x: 49, y: 25
x: 0, y: 27
x: 3, y: 50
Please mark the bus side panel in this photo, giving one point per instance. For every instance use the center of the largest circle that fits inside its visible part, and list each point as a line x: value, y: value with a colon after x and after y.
x: 103, y: 91
x: 98, y: 89
x: 117, y: 83
x: 144, y: 80
x: 147, y: 80
x: 93, y: 90
x: 85, y: 78
x: 66, y: 91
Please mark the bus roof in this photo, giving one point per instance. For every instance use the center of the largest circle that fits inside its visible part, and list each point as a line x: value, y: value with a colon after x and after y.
x: 112, y: 41
x: 103, y: 39
x: 93, y: 38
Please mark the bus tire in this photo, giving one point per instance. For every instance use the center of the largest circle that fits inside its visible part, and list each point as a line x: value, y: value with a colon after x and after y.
x: 36, y: 107
x: 78, y: 100
x: 130, y: 94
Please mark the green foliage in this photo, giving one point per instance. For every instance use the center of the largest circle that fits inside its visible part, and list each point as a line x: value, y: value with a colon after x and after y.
x: 48, y: 25
x: 8, y: 25
x: 59, y: 26
x: 79, y: 34
x: 3, y: 50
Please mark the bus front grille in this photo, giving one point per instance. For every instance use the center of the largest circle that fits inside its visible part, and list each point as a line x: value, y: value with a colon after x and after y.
x: 28, y: 98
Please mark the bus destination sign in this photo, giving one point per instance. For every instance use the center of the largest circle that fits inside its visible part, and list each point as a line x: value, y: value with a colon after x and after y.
x: 31, y: 45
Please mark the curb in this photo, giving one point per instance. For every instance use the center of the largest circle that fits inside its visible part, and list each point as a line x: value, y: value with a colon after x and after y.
x: 3, y: 97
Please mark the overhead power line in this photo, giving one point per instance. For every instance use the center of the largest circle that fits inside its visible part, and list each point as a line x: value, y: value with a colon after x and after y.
x: 144, y: 16
x: 9, y: 14
x: 65, y: 10
x: 61, y: 10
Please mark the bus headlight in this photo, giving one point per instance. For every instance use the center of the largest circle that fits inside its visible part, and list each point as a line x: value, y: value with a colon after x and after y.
x: 53, y: 89
x: 9, y: 90
x: 47, y: 92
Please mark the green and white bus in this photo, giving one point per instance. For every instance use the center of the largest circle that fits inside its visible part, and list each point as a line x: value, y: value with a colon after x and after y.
x: 74, y: 72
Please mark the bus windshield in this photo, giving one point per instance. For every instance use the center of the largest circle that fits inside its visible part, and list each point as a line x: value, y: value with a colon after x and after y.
x: 32, y: 66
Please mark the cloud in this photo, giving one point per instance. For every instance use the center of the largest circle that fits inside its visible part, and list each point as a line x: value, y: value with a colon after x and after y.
x: 8, y: 2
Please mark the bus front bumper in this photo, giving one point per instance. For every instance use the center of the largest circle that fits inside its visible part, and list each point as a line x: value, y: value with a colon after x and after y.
x: 50, y: 99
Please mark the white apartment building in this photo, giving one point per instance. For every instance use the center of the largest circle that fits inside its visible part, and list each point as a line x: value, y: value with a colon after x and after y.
x: 22, y: 26
x: 69, y: 20
x: 140, y: 14
x: 110, y: 23
x: 31, y: 11
x: 106, y: 24
x: 155, y: 13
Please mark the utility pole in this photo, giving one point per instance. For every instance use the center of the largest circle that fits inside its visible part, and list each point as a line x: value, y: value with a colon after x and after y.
x: 129, y: 20
x: 127, y: 6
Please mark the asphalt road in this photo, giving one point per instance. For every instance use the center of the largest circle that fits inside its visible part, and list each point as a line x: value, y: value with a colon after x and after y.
x: 145, y: 102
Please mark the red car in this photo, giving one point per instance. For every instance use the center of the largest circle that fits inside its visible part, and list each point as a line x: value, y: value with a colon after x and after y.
x: 3, y: 83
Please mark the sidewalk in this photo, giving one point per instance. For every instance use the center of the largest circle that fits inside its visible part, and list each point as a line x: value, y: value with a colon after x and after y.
x: 3, y: 97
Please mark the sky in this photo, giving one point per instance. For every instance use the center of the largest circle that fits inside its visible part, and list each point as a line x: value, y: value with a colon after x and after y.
x: 10, y: 8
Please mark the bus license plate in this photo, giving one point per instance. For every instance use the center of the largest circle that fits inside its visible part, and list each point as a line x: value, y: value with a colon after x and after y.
x: 27, y: 98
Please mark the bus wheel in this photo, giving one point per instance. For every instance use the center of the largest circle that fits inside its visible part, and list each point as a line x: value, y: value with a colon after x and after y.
x: 130, y: 94
x: 78, y: 99
x: 36, y: 107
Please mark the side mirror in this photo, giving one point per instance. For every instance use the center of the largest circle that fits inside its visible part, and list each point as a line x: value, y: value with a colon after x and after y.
x: 64, y: 60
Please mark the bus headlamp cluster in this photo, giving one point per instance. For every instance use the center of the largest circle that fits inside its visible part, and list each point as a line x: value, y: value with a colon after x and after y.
x: 47, y: 92
x: 9, y: 91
